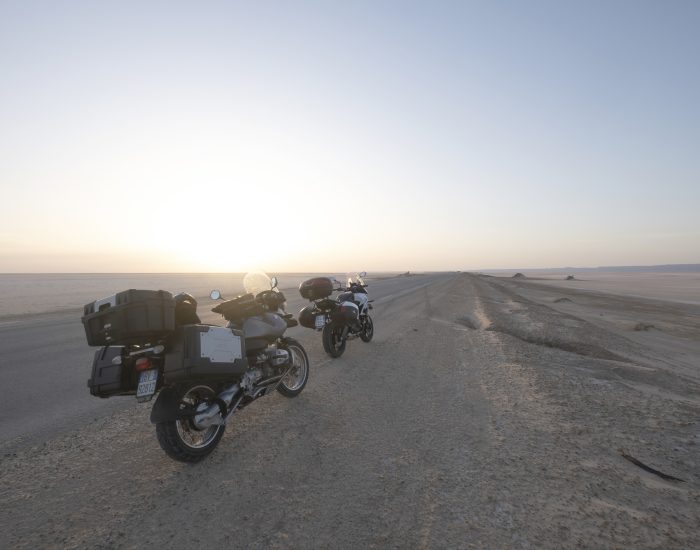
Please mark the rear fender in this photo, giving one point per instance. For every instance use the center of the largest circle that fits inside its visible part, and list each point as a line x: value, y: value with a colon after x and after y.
x: 166, y: 407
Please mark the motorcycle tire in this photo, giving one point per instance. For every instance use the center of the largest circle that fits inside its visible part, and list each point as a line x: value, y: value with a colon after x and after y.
x: 333, y: 341
x: 181, y: 439
x: 293, y: 383
x: 367, y: 330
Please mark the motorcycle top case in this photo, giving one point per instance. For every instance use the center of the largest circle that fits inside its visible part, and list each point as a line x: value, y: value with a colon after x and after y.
x: 109, y: 377
x: 204, y: 351
x: 316, y: 288
x: 129, y: 317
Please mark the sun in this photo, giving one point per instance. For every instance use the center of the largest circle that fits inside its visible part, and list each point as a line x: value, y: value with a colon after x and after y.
x: 219, y: 251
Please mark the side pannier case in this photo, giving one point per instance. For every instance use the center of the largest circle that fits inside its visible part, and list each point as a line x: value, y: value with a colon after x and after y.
x: 307, y: 316
x: 316, y: 288
x: 348, y: 314
x: 110, y: 375
x: 130, y: 317
x: 203, y: 351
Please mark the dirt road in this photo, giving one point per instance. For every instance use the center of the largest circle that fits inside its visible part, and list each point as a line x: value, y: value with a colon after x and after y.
x: 477, y: 417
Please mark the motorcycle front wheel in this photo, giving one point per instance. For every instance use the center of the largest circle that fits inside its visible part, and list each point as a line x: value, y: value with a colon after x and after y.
x: 298, y: 374
x: 367, y: 330
x: 333, y: 341
x: 181, y: 439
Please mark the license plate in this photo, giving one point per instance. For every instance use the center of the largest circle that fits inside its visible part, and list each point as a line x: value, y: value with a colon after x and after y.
x: 320, y: 321
x: 147, y: 383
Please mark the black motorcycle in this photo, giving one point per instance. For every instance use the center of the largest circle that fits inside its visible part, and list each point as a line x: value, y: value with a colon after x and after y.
x: 340, y: 319
x: 155, y: 344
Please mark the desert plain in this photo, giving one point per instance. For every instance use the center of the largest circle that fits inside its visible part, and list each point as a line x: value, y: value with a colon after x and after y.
x: 488, y: 412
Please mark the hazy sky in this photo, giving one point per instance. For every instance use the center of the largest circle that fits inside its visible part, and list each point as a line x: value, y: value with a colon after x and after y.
x: 312, y: 136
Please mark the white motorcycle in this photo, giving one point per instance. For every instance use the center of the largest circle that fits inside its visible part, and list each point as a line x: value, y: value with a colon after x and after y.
x: 342, y: 319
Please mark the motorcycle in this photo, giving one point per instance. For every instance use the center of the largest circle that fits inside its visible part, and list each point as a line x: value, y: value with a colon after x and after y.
x: 154, y: 344
x: 345, y: 318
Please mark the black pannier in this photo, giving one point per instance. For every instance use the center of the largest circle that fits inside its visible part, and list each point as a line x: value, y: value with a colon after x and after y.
x: 307, y: 316
x: 129, y: 317
x: 205, y: 351
x: 110, y: 375
x: 347, y: 314
x: 316, y: 288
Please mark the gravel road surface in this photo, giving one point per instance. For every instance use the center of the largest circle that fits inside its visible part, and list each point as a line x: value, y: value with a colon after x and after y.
x: 481, y: 415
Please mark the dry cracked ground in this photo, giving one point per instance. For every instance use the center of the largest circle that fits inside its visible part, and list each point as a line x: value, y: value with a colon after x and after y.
x: 486, y: 413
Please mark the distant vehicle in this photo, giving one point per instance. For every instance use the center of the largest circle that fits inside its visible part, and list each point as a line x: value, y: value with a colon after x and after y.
x: 154, y: 343
x: 340, y: 319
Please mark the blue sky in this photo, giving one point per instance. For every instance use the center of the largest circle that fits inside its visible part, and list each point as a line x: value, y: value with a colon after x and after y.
x: 426, y: 135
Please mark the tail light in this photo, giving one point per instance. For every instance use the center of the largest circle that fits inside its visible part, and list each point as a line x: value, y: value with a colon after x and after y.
x: 144, y: 363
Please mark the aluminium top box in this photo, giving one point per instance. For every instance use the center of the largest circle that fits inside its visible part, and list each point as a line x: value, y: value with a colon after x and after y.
x: 205, y: 351
x: 130, y: 317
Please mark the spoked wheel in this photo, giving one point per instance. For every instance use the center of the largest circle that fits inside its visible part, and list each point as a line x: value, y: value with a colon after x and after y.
x: 295, y: 380
x: 181, y: 439
x: 367, y: 329
x: 333, y: 341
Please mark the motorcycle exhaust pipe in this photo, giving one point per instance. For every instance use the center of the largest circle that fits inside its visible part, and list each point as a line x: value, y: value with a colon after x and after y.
x: 213, y: 415
x: 259, y: 391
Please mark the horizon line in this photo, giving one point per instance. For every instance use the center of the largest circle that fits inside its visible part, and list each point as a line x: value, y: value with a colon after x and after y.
x: 337, y: 271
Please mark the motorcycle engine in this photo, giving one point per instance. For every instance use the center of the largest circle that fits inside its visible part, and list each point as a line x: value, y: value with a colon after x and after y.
x: 250, y: 378
x: 271, y: 360
x: 278, y: 357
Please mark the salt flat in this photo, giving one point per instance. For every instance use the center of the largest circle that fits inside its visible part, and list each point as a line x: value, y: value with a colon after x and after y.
x: 677, y: 287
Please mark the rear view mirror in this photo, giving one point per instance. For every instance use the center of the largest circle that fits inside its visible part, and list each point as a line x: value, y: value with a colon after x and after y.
x: 274, y: 282
x: 215, y: 295
x: 363, y: 274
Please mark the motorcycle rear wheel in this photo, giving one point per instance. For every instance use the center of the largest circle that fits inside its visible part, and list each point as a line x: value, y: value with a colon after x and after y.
x: 181, y: 439
x: 367, y: 330
x: 333, y: 341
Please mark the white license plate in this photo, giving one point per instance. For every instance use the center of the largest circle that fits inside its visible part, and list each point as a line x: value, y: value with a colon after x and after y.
x: 320, y: 321
x: 147, y: 383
